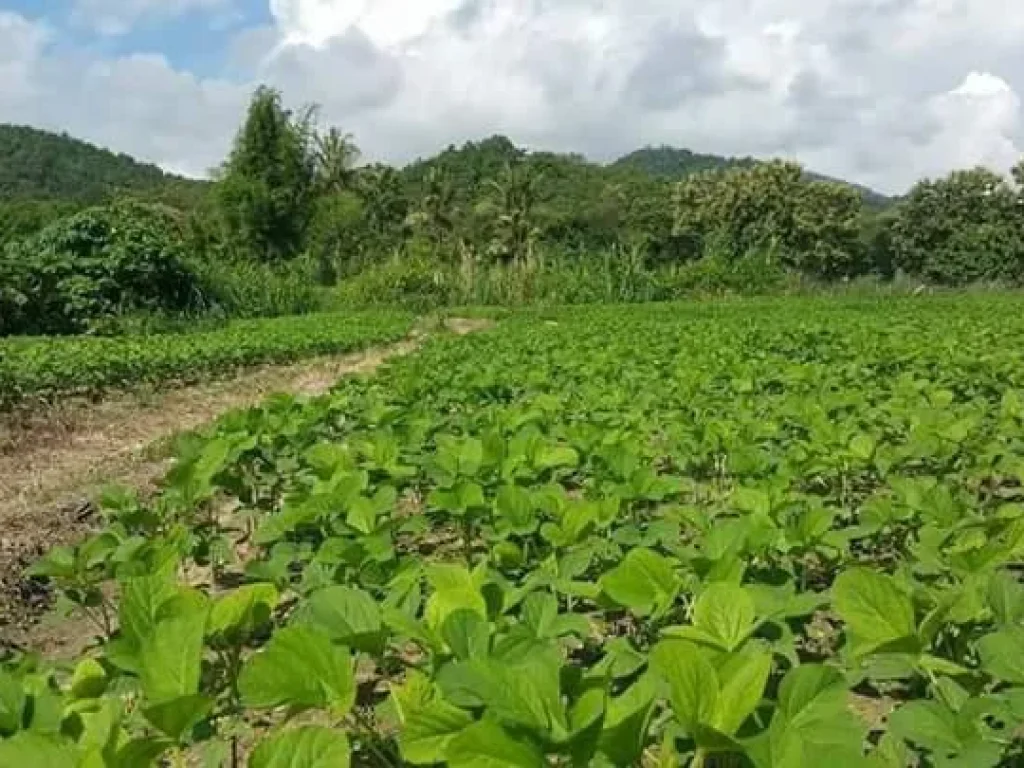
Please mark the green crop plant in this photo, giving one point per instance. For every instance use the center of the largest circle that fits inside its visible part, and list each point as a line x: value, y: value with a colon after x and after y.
x: 33, y: 369
x: 773, y: 534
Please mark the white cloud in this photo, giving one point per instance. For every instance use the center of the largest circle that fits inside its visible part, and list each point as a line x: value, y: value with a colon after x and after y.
x: 385, y: 22
x: 878, y: 91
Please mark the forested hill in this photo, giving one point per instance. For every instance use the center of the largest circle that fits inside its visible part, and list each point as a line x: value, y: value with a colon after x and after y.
x: 671, y: 163
x: 38, y: 165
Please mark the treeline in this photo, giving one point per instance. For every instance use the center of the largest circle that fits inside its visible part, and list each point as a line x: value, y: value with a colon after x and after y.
x: 288, y: 191
x: 293, y: 219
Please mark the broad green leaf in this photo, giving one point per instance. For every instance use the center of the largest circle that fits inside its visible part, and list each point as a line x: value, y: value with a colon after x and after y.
x: 412, y: 695
x: 141, y: 753
x: 555, y: 457
x: 1002, y: 655
x: 141, y: 600
x: 170, y: 659
x: 539, y: 613
x: 467, y: 634
x: 742, y: 677
x: 586, y: 722
x: 239, y: 613
x: 34, y: 750
x: 348, y: 615
x: 863, y: 447
x: 623, y: 737
x: 874, y: 608
x: 302, y: 668
x: 427, y: 732
x: 811, y: 691
x: 644, y: 582
x: 515, y: 508
x: 525, y: 692
x: 175, y: 717
x: 927, y: 724
x: 692, y: 681
x: 487, y: 745
x: 12, y: 704
x: 455, y: 588
x: 307, y: 747
x: 88, y: 681
x: 1006, y: 598
x: 725, y: 612
x: 813, y: 720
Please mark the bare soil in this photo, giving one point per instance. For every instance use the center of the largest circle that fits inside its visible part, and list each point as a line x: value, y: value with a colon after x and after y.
x: 54, y: 461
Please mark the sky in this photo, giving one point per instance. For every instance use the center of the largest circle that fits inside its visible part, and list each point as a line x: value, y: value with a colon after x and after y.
x: 881, y: 92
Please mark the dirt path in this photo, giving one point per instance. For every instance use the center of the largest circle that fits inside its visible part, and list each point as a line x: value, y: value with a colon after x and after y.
x: 53, y: 462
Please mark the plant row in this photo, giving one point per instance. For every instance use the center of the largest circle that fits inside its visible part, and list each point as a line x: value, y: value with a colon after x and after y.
x: 46, y: 368
x: 777, y: 535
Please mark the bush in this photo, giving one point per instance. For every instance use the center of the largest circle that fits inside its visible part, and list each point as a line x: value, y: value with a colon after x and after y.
x: 96, y: 264
x: 755, y: 274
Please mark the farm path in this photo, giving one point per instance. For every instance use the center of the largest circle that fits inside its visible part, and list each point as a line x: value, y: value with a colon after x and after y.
x: 52, y: 463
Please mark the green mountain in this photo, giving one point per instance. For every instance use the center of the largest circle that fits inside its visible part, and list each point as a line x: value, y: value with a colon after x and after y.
x: 671, y: 163
x: 40, y: 165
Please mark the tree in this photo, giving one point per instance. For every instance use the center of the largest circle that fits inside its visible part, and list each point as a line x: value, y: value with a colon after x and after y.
x: 964, y: 228
x: 385, y: 204
x: 435, y: 218
x: 267, y: 185
x: 336, y: 157
x: 813, y: 226
x: 513, y: 198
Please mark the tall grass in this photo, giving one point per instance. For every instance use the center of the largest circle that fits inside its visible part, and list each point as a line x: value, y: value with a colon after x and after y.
x: 614, y: 276
x: 247, y: 289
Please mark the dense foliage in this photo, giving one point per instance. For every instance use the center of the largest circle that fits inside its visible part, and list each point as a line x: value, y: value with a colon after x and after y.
x: 39, y: 165
x: 266, y: 186
x: 44, y: 369
x: 966, y: 228
x: 672, y: 163
x: 490, y: 221
x: 778, y: 535
x: 96, y: 264
x: 45, y: 176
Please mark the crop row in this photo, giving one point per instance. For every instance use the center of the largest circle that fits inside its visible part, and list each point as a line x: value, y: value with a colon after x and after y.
x: 782, y: 534
x: 45, y: 368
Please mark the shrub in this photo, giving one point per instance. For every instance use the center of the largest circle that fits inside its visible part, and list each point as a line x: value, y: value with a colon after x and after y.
x: 96, y: 264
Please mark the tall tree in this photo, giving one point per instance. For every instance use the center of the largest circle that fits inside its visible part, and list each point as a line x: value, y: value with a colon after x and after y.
x: 435, y: 217
x: 384, y: 201
x: 267, y: 185
x: 514, y: 197
x: 336, y: 158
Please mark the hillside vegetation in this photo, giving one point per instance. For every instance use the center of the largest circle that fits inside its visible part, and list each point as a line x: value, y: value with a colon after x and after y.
x: 39, y: 165
x: 295, y: 222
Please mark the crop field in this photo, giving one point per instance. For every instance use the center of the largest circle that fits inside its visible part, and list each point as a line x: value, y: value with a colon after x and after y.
x: 776, y: 534
x: 49, y: 367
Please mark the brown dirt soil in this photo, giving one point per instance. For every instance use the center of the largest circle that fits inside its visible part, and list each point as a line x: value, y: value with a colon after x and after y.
x: 54, y: 461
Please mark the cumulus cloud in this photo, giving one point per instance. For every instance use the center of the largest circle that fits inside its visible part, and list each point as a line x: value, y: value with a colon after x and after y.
x: 877, y: 91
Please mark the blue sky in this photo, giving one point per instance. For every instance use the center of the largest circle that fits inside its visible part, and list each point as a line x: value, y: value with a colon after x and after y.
x: 882, y: 93
x: 196, y: 40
